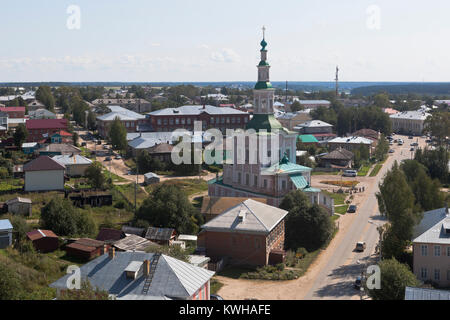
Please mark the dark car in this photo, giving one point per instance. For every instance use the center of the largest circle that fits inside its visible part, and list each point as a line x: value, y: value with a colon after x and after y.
x: 357, y: 284
x: 391, y: 151
x: 410, y: 137
x: 215, y: 297
x: 412, y: 149
x: 108, y: 159
x: 83, y: 144
x: 351, y: 209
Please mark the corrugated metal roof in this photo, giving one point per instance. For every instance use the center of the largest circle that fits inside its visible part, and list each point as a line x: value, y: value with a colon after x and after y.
x: 299, y: 181
x: 259, y: 217
x: 426, y: 294
x: 431, y: 228
x: 195, y: 110
x: 71, y: 159
x: 5, y: 224
x: 173, y: 279
x: 351, y: 140
x: 162, y: 234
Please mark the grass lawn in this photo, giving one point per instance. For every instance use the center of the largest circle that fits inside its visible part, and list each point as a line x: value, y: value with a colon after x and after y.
x: 39, y: 199
x: 339, y: 198
x: 114, y: 177
x: 364, y: 171
x: 323, y: 173
x: 341, y: 209
x: 127, y: 190
x: 189, y: 186
x: 215, y: 285
x: 376, y: 169
x: 109, y: 216
x: 11, y: 184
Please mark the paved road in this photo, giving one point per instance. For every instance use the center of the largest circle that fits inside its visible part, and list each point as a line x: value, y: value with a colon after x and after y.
x: 335, y: 280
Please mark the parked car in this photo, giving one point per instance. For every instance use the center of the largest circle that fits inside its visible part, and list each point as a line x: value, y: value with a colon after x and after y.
x: 414, y: 144
x: 215, y: 297
x: 118, y: 157
x: 108, y: 159
x: 351, y: 209
x: 99, y: 142
x: 105, y: 147
x: 358, y: 283
x: 391, y: 151
x: 360, y: 246
x: 410, y: 137
x: 412, y: 149
x: 83, y: 144
x: 350, y: 173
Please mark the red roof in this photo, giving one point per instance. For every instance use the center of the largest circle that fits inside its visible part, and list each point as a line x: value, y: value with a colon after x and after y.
x: 6, y: 109
x: 47, y: 124
x: 65, y: 133
x: 42, y: 163
x: 39, y: 234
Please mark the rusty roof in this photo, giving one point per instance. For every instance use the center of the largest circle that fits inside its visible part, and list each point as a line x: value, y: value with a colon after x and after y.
x: 39, y: 234
x: 86, y: 244
x: 42, y: 163
x: 106, y: 234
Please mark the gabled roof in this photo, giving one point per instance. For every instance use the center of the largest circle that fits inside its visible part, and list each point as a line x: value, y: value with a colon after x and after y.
x: 60, y: 147
x: 339, y: 154
x: 285, y: 167
x: 39, y: 234
x: 71, y: 159
x: 162, y: 148
x: 351, y: 140
x: 43, y: 163
x: 217, y: 205
x: 47, y: 124
x: 258, y: 217
x: 107, y: 234
x: 314, y: 124
x: 366, y: 133
x: 196, y: 110
x: 133, y: 230
x: 5, y: 224
x: 159, y: 234
x: 432, y: 227
x: 133, y: 242
x: 86, y: 244
x: 18, y: 199
x: 172, y: 279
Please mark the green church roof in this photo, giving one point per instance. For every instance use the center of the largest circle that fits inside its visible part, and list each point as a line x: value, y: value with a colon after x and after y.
x: 264, y: 121
x: 261, y: 85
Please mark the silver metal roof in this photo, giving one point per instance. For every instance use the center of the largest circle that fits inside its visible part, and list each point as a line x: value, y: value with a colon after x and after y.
x: 5, y: 224
x: 426, y: 294
x: 173, y: 279
x: 195, y: 110
x: 431, y: 229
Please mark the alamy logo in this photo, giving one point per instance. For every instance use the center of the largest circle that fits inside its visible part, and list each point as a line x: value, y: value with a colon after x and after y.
x: 373, y: 281
x: 373, y: 21
x: 74, y: 19
x: 74, y: 280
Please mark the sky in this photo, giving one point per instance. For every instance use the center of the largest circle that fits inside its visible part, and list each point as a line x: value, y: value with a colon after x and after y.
x: 210, y: 40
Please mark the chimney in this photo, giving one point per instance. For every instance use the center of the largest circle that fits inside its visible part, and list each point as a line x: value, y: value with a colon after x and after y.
x: 112, y: 253
x: 146, y: 267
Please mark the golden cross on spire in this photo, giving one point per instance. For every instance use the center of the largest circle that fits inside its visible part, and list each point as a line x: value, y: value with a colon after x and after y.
x: 264, y: 32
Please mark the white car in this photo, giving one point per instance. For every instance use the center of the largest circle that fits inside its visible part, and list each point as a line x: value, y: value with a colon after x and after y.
x: 350, y: 173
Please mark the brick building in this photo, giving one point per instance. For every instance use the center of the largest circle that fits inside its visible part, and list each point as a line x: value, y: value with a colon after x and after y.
x: 221, y: 118
x: 42, y: 129
x: 131, y: 120
x: 247, y: 234
x: 14, y: 112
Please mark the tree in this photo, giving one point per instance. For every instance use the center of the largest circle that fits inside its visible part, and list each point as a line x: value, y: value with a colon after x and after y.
x: 296, y: 106
x: 307, y: 226
x: 44, y: 95
x: 396, y: 201
x: 91, y: 121
x: 60, y: 216
x: 86, y: 292
x: 118, y: 135
x: 95, y: 176
x: 75, y: 138
x: 426, y: 191
x: 436, y: 162
x: 382, y: 148
x: 382, y: 100
x: 438, y: 126
x: 20, y: 136
x: 10, y: 286
x: 169, y: 207
x: 395, y: 276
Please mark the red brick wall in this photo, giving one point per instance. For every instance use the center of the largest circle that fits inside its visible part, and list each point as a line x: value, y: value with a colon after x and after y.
x: 240, y: 248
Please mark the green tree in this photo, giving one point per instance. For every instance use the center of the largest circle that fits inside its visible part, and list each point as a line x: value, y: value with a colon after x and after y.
x: 169, y: 207
x: 86, y: 292
x: 296, y: 106
x: 307, y: 226
x: 75, y: 138
x: 94, y: 175
x: 60, y: 216
x: 118, y: 135
x: 10, y: 284
x: 395, y: 277
x: 438, y: 126
x: 382, y: 100
x: 436, y: 162
x: 382, y: 148
x: 44, y: 95
x: 20, y: 135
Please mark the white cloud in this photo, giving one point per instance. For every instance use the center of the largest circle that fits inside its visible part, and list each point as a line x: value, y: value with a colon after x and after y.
x: 225, y: 55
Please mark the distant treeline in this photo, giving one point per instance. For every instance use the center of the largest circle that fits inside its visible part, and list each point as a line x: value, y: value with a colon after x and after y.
x: 417, y: 88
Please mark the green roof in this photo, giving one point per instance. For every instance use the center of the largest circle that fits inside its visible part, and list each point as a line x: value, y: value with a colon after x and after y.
x: 307, y: 138
x: 298, y: 180
x: 264, y: 121
x: 286, y: 167
x: 261, y: 85
x: 263, y: 63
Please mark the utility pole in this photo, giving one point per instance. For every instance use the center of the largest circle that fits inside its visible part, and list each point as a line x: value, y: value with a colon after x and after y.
x: 337, y: 82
